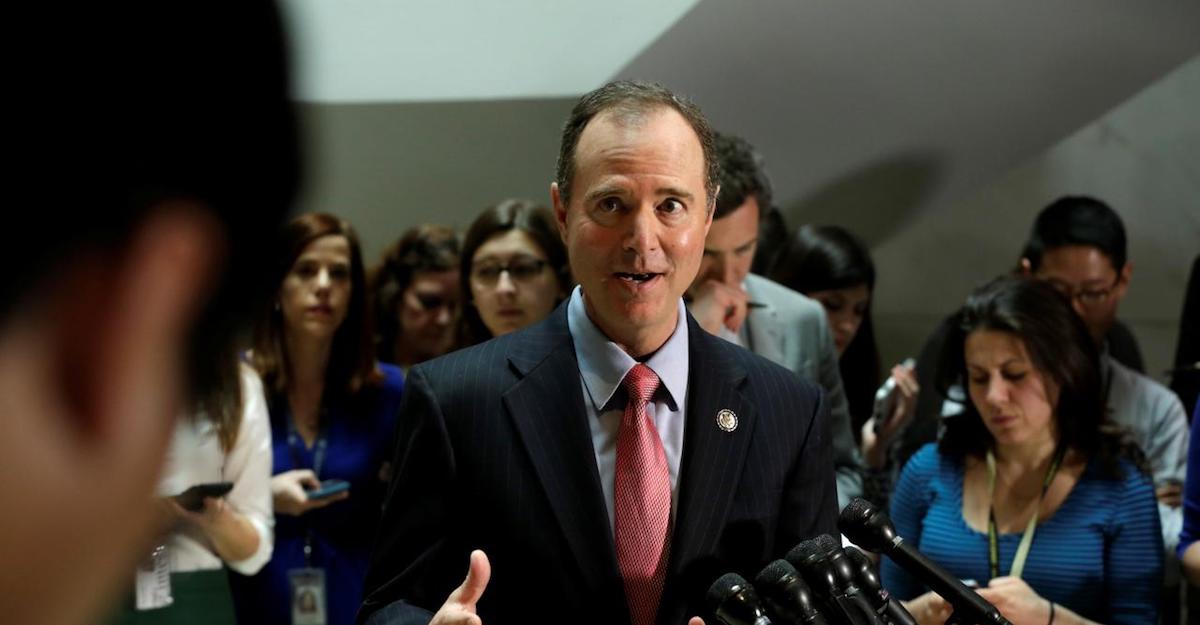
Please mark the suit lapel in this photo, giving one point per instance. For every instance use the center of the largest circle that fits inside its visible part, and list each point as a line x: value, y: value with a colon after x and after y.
x: 712, y: 458
x: 547, y: 409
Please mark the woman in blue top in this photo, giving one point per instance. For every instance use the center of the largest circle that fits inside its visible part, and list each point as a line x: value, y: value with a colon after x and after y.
x: 1031, y: 459
x: 333, y: 411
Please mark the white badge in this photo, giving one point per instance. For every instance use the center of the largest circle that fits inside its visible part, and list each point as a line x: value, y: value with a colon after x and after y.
x: 308, y: 596
x: 153, y: 587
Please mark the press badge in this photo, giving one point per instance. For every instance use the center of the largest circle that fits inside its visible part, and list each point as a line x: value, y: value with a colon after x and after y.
x: 153, y: 584
x: 308, y: 596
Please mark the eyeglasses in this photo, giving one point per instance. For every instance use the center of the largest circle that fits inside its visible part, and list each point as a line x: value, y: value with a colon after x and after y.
x: 430, y: 302
x: 1086, y: 297
x: 519, y: 270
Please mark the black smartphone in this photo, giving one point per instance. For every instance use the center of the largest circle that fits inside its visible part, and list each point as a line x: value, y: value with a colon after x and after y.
x: 192, y: 499
x: 328, y: 488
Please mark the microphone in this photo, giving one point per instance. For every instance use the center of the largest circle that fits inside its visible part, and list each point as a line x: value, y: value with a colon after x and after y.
x: 873, y: 590
x: 830, y: 575
x: 869, y: 528
x: 732, y: 601
x: 786, y: 596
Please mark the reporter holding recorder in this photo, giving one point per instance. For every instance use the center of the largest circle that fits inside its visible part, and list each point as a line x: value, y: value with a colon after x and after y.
x: 1034, y: 460
x: 333, y: 410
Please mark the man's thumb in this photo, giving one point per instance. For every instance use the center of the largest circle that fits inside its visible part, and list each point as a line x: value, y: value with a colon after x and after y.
x: 478, y: 574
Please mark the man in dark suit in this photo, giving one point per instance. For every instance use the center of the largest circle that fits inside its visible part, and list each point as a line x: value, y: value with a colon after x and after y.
x: 615, y: 459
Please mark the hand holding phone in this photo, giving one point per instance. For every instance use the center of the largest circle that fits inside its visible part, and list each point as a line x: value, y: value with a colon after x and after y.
x: 192, y: 499
x: 328, y: 488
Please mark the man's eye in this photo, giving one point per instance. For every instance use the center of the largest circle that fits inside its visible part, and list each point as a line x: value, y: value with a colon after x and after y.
x: 610, y: 204
x: 671, y: 206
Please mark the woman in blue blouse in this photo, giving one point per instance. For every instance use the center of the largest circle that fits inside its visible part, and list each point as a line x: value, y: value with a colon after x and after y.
x: 333, y: 412
x: 1032, y: 459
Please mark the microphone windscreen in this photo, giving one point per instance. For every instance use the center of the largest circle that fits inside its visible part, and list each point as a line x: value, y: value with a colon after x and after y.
x: 811, y: 549
x: 774, y: 573
x: 725, y: 587
x: 858, y: 510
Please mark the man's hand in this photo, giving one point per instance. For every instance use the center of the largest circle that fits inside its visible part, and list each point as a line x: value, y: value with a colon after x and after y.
x: 716, y: 305
x: 459, y: 608
x: 1170, y: 493
x: 289, y: 490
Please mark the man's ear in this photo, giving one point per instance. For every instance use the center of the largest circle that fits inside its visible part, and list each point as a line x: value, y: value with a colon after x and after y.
x: 560, y: 210
x: 1122, y: 286
x: 1026, y: 267
x: 124, y: 341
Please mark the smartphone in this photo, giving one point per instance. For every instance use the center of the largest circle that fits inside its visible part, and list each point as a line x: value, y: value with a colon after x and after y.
x: 192, y: 499
x: 328, y: 488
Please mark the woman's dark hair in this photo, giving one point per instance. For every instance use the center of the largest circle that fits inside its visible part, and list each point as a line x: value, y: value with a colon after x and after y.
x: 532, y: 219
x: 820, y: 258
x: 1060, y: 349
x: 351, y: 366
x: 427, y: 247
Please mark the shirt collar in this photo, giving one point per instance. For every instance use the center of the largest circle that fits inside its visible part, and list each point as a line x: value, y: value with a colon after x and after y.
x: 602, y: 364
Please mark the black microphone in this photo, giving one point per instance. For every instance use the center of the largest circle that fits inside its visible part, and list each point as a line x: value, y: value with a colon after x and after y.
x: 830, y: 575
x: 732, y: 601
x: 786, y: 596
x: 869, y: 528
x: 873, y: 590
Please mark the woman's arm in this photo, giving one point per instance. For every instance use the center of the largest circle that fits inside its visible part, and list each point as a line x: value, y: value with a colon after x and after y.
x: 910, y: 503
x: 242, y: 533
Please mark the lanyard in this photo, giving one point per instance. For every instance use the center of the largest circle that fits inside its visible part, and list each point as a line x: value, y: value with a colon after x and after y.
x: 1018, y: 564
x: 295, y: 449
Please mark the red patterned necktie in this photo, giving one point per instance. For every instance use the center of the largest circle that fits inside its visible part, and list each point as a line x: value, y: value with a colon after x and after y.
x: 643, y: 500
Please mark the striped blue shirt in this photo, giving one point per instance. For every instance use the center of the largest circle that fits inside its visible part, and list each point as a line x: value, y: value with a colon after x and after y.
x: 1100, y: 554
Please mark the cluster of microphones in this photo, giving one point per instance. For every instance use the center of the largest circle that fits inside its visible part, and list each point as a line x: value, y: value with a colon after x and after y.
x: 822, y: 583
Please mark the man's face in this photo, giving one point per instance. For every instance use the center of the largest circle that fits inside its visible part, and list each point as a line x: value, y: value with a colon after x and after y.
x: 636, y: 223
x: 1087, y: 276
x: 729, y: 247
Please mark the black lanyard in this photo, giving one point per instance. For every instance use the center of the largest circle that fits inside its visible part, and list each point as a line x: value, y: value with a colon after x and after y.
x: 1018, y: 564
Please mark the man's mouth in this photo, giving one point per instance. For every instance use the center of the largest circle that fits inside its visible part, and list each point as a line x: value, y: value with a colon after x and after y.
x: 636, y: 278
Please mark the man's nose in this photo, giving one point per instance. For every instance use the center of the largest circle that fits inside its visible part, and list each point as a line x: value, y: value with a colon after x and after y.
x: 728, y: 273
x: 642, y: 235
x: 445, y: 315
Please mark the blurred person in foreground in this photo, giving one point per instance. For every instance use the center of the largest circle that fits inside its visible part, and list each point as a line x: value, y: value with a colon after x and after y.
x: 764, y: 316
x: 631, y: 457
x: 1032, y: 492
x: 172, y: 185
x: 416, y: 296
x: 514, y: 270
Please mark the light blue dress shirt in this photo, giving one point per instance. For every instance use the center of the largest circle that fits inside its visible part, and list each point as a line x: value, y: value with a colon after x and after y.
x: 602, y: 367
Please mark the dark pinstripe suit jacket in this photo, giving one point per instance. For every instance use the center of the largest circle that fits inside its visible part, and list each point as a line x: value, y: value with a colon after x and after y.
x: 494, y: 452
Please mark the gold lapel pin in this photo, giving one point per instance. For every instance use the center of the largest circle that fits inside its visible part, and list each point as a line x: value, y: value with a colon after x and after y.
x: 727, y: 420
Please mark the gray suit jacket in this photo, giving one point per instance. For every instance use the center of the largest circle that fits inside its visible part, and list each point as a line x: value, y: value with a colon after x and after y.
x: 791, y: 330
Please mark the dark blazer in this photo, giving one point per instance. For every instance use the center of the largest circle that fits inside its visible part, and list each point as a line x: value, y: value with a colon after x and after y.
x: 494, y: 452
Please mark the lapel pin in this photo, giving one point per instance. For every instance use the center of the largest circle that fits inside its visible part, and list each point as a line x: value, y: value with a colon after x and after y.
x: 727, y: 420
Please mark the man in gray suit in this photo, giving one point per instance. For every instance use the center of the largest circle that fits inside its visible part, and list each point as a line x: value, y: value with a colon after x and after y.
x: 766, y: 317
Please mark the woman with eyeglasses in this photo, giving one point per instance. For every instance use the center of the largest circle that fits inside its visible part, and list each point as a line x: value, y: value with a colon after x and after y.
x: 416, y: 296
x: 514, y: 270
x: 333, y: 411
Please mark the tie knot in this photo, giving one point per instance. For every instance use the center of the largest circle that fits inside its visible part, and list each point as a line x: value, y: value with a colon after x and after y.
x: 640, y: 383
